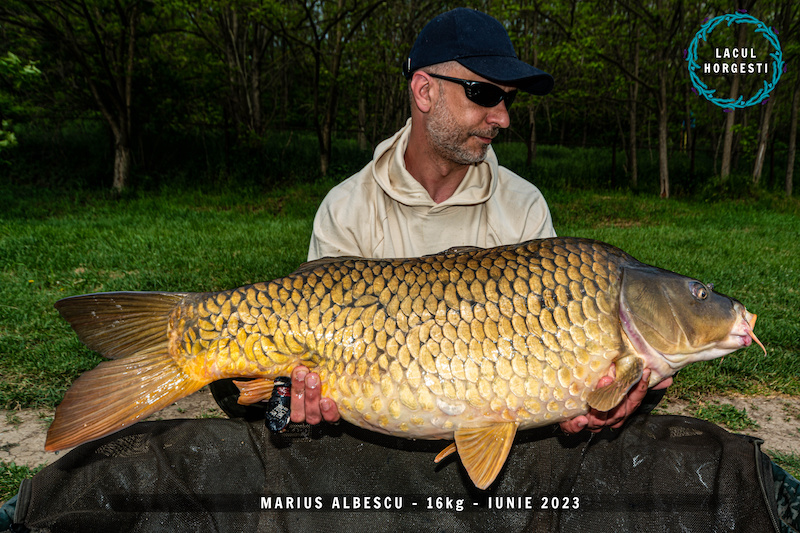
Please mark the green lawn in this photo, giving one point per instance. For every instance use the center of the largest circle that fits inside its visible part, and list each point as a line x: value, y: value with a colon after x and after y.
x: 55, y: 245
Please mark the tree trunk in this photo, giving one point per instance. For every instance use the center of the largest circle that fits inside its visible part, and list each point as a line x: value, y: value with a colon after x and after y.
x: 727, y: 143
x: 763, y: 137
x: 122, y: 164
x: 325, y: 149
x: 633, y: 90
x: 363, y: 145
x: 326, y: 130
x: 585, y: 129
x: 533, y: 59
x: 532, y: 134
x: 792, y: 139
x: 613, y: 178
x: 663, y: 126
x: 244, y: 43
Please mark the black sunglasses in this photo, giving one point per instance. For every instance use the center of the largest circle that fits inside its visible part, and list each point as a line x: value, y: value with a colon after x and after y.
x: 482, y: 93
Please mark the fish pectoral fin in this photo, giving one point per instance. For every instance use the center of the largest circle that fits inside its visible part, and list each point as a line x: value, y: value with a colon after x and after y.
x: 629, y: 372
x: 484, y: 451
x: 254, y: 390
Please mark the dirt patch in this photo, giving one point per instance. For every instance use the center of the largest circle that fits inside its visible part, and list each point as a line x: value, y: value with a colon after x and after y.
x: 778, y: 418
x: 22, y: 432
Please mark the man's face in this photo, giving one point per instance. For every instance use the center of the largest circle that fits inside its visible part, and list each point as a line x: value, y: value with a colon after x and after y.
x: 459, y: 130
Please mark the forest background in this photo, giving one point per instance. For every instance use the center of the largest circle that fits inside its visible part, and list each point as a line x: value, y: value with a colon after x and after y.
x: 136, y: 93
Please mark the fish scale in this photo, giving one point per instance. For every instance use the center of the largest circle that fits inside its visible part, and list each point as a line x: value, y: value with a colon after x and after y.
x: 496, y: 351
x: 470, y: 344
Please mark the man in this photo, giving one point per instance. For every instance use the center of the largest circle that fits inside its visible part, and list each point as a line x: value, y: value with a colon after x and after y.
x: 436, y: 183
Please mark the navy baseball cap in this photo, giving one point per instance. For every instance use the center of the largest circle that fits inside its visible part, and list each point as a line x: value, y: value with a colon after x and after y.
x: 480, y: 43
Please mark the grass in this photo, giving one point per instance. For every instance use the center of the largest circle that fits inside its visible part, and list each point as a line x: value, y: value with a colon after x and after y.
x: 56, y: 244
x: 788, y: 461
x: 727, y: 415
x: 11, y: 476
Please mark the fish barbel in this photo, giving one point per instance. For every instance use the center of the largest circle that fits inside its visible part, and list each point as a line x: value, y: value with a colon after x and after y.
x: 470, y: 344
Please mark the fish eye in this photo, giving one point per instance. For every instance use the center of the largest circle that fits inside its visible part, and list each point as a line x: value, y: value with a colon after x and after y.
x: 699, y: 290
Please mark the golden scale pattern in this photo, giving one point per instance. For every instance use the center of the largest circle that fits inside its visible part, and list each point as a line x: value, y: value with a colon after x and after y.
x: 520, y: 333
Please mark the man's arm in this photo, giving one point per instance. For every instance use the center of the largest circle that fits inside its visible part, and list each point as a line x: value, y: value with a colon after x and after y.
x: 337, y: 232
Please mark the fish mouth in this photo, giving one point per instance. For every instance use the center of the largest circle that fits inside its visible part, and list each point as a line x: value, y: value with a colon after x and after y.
x: 742, y: 333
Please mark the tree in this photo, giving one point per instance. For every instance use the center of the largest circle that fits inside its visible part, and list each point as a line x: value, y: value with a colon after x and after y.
x: 792, y: 138
x: 237, y: 34
x: 664, y: 22
x: 96, y: 43
x: 323, y: 29
x: 14, y: 75
x: 524, y: 33
x: 727, y: 143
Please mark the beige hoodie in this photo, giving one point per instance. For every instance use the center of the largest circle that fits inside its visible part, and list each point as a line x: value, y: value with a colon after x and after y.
x: 383, y: 212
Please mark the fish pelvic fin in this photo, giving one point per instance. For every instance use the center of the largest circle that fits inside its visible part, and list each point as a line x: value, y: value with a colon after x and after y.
x: 116, y: 394
x: 483, y: 451
x: 628, y: 373
x: 254, y: 391
x: 444, y: 453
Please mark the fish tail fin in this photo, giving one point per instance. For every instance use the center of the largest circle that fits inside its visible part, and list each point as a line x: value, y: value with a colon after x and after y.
x: 119, y: 324
x: 116, y: 394
x: 133, y: 329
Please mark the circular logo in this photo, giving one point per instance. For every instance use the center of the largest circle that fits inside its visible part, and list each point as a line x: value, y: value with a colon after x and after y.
x: 777, y: 61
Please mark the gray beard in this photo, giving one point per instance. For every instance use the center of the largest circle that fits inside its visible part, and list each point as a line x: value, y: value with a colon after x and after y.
x: 449, y: 142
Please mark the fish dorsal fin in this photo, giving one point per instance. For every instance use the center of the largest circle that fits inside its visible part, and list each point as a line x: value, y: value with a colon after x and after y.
x: 324, y: 261
x: 254, y: 390
x: 462, y: 249
x: 484, y: 451
x: 629, y: 372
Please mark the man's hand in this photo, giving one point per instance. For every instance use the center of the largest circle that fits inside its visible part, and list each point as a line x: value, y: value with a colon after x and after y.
x: 595, y: 420
x: 306, y: 405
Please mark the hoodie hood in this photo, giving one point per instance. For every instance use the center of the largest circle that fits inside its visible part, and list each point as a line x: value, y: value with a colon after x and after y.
x: 389, y: 171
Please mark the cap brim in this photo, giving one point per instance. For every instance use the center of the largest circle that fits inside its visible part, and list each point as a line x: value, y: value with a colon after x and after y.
x: 510, y: 71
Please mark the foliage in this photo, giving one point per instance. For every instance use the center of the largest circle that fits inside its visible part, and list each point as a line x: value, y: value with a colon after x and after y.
x: 14, y: 76
x: 237, y: 73
x: 7, y: 137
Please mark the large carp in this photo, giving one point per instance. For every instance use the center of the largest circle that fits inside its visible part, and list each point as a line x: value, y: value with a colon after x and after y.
x: 470, y: 344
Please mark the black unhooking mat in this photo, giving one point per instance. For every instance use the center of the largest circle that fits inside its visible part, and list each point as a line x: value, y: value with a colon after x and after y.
x: 661, y: 473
